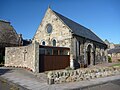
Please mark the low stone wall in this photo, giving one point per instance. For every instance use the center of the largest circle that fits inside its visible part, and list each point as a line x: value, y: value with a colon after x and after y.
x: 24, y: 57
x: 62, y: 76
x: 115, y: 57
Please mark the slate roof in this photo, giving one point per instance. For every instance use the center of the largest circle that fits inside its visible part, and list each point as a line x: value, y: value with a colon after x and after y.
x: 7, y: 33
x: 117, y: 45
x: 114, y: 50
x: 79, y: 29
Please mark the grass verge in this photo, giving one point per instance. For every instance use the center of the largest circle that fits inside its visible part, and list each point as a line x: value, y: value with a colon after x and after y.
x: 118, y: 64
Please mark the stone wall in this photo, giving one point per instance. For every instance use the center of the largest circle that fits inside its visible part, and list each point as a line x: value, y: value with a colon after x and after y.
x: 60, y: 32
x: 63, y: 76
x: 24, y: 56
x: 97, y: 54
x: 115, y: 57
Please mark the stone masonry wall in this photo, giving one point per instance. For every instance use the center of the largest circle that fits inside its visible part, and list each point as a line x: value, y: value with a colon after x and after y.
x: 97, y: 55
x: 60, y: 32
x: 63, y: 76
x: 115, y: 57
x: 24, y: 56
x: 64, y: 38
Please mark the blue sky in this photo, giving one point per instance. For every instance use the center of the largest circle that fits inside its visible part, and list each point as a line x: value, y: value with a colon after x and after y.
x: 101, y: 16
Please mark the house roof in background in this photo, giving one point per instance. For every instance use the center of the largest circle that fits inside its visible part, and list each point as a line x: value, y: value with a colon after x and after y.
x: 114, y: 50
x: 7, y: 33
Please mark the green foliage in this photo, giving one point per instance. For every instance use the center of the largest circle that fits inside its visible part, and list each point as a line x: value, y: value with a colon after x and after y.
x: 109, y: 59
x: 118, y: 64
x: 118, y: 60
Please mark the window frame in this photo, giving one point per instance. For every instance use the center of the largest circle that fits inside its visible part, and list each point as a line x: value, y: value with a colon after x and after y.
x: 49, y: 28
x: 54, y: 43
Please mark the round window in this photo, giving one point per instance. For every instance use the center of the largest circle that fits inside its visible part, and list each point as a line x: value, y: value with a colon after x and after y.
x: 49, y: 28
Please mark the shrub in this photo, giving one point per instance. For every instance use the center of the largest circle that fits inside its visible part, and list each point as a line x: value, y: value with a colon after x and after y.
x: 109, y: 59
x: 118, y: 60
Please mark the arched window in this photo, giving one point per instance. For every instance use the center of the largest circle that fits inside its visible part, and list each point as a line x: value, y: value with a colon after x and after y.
x: 54, y: 42
x: 43, y: 42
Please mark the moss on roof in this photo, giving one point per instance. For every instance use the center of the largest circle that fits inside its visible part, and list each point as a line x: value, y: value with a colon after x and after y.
x: 7, y: 33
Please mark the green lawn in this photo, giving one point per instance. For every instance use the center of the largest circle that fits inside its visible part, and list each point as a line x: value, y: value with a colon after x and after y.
x: 118, y: 64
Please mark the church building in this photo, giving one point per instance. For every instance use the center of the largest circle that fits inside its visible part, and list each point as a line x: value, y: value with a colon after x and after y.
x: 57, y: 44
x: 86, y: 48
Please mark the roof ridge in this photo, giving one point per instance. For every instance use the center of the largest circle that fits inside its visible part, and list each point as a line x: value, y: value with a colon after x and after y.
x: 5, y: 21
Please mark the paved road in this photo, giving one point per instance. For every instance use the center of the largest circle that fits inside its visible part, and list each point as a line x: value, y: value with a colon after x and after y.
x: 30, y: 81
x: 5, y: 85
x: 114, y: 85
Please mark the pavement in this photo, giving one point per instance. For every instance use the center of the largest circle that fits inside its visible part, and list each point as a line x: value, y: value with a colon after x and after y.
x: 29, y: 81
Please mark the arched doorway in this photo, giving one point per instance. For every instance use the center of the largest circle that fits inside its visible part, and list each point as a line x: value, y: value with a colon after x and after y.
x: 89, y: 54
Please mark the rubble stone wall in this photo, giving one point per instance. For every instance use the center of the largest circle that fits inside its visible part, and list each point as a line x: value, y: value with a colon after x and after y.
x: 115, y: 57
x: 63, y: 76
x: 24, y: 56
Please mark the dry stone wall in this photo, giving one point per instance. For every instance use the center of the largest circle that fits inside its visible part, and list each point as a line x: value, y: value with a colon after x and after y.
x: 63, y: 76
x: 24, y: 56
x: 115, y: 57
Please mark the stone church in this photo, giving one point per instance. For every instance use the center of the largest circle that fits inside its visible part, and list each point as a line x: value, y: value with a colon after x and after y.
x: 86, y: 48
x: 58, y: 43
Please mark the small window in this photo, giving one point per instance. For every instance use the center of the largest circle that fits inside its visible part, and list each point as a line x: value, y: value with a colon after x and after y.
x: 49, y: 28
x: 54, y: 42
x: 43, y: 42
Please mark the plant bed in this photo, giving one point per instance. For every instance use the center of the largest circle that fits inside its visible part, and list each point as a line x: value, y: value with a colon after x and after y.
x: 118, y: 64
